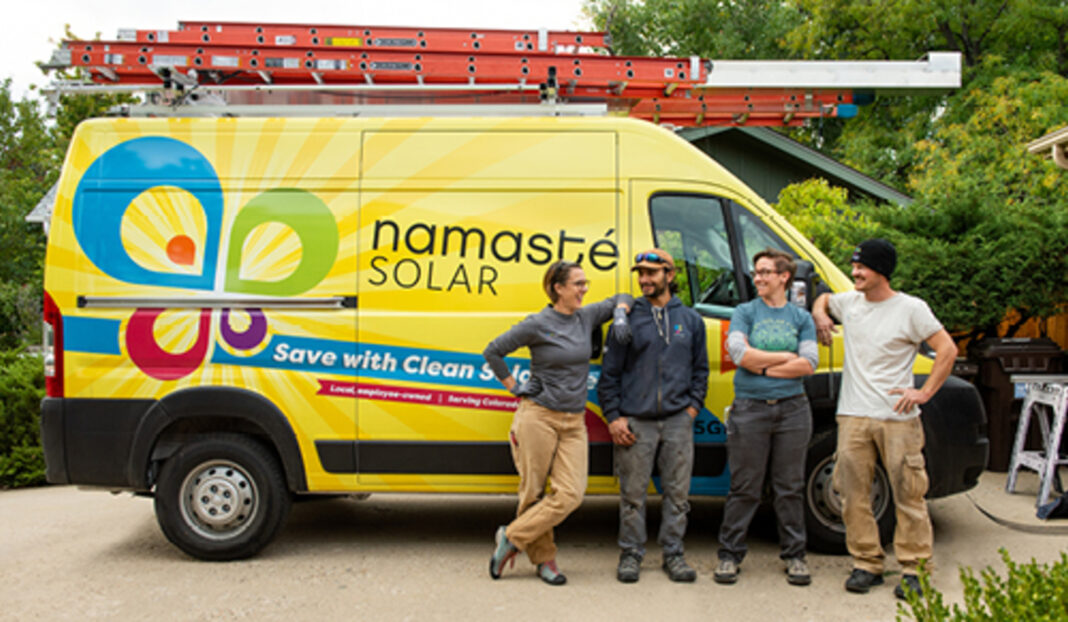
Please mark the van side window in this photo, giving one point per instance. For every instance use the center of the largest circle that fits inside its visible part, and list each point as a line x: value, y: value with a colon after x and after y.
x: 694, y: 230
x: 754, y: 235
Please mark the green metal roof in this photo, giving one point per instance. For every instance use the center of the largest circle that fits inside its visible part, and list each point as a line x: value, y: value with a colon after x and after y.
x: 835, y: 172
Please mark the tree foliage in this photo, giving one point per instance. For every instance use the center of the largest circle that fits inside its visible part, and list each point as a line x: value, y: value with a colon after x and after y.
x: 29, y: 165
x: 822, y: 212
x: 21, y: 390
x: 710, y: 29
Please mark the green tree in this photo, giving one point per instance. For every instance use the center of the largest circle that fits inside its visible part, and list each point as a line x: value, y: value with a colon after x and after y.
x: 995, y: 38
x: 29, y: 165
x: 823, y: 214
x: 706, y: 28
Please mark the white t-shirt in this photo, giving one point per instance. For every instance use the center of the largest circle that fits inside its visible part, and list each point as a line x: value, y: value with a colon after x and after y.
x: 881, y: 342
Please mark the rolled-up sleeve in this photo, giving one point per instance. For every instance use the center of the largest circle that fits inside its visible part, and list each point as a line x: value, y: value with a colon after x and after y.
x: 809, y: 351
x: 736, y: 346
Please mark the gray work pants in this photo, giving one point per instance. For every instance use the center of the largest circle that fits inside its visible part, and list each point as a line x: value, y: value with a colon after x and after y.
x: 634, y: 466
x: 755, y: 430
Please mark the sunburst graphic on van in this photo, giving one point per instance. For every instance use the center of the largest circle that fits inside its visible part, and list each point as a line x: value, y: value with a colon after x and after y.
x: 164, y: 229
x: 169, y: 225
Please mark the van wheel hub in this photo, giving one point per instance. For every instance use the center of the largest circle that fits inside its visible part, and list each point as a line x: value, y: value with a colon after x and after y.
x: 219, y: 499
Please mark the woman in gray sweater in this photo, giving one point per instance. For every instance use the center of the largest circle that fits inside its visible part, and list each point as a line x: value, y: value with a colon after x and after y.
x: 548, y: 434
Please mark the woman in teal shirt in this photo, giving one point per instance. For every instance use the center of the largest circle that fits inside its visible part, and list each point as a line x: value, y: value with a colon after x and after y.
x: 773, y: 343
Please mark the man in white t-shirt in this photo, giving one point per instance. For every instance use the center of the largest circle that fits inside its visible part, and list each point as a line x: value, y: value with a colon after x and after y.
x: 878, y: 411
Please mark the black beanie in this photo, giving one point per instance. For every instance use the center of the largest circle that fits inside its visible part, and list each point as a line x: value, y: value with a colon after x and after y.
x: 878, y: 254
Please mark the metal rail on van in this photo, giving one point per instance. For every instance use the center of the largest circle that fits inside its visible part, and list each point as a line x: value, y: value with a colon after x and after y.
x: 214, y: 302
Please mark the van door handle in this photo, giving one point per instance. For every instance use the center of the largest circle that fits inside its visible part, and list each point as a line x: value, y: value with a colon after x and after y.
x: 215, y: 302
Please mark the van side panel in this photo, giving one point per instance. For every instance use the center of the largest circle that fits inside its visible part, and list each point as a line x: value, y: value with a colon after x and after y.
x: 457, y: 230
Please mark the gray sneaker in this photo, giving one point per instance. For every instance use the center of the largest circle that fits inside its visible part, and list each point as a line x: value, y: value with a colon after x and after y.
x: 726, y: 572
x: 678, y: 570
x: 797, y: 571
x: 630, y: 566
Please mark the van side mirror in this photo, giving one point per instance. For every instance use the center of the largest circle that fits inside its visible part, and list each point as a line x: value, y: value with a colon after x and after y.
x: 807, y: 285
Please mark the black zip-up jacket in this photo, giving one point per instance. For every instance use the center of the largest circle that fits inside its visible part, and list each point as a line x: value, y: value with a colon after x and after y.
x: 659, y: 373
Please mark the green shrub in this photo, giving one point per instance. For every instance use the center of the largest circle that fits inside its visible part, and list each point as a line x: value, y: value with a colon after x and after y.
x: 20, y: 314
x: 21, y: 390
x: 1031, y: 591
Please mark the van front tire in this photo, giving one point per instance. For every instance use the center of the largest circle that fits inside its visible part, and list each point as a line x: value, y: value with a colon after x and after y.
x: 823, y: 508
x: 221, y: 498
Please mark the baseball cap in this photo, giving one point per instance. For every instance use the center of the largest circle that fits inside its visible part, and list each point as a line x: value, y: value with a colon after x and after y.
x: 654, y: 258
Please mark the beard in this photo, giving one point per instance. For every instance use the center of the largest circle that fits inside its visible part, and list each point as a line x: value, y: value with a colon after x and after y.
x: 658, y: 289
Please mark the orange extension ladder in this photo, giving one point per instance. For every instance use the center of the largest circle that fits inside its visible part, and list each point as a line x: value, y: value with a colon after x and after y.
x: 255, y: 68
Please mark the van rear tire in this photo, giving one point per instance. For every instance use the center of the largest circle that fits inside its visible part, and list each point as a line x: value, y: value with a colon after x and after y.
x: 221, y: 498
x: 823, y: 517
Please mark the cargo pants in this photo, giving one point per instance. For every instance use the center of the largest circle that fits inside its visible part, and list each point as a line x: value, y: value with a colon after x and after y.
x: 861, y: 440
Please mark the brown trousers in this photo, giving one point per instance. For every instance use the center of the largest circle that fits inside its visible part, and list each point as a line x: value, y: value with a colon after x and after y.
x: 546, y: 444
x: 900, y: 445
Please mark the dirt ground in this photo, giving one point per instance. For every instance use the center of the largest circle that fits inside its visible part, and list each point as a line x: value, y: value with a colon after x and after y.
x: 67, y: 554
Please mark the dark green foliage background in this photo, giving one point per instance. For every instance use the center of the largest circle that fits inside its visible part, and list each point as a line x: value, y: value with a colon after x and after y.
x: 21, y: 391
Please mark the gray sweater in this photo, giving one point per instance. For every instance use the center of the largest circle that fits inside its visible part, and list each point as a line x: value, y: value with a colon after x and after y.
x: 560, y: 348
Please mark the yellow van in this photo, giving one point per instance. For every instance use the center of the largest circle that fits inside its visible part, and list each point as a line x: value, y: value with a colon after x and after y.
x: 239, y: 310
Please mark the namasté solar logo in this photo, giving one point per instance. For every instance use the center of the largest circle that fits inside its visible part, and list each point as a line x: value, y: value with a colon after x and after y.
x: 149, y: 212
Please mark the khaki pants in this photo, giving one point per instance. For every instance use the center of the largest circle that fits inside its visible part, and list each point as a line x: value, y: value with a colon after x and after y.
x: 900, y: 445
x: 546, y: 444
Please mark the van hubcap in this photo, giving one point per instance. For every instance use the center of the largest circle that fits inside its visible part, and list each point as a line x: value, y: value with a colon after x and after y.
x: 219, y: 499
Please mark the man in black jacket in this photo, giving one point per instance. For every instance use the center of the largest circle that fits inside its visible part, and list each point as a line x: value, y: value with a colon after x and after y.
x: 650, y: 392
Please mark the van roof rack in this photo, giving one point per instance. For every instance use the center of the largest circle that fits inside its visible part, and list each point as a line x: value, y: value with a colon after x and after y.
x: 248, y: 68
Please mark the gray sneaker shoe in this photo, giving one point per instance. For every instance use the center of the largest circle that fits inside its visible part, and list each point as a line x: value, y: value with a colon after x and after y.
x: 630, y: 566
x: 797, y: 571
x: 726, y: 572
x: 678, y: 570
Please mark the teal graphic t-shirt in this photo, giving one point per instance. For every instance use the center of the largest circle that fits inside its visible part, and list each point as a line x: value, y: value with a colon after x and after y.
x: 771, y: 329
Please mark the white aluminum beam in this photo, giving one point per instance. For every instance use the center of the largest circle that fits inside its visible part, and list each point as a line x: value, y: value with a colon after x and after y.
x: 937, y: 73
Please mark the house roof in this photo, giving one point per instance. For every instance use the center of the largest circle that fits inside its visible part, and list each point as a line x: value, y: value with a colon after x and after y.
x: 1052, y: 145
x: 834, y: 170
x: 42, y: 212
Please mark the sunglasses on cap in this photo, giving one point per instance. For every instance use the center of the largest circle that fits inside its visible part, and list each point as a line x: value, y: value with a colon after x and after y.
x: 653, y: 257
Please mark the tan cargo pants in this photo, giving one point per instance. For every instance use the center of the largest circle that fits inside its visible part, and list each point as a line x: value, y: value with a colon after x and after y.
x: 900, y: 445
x: 546, y: 444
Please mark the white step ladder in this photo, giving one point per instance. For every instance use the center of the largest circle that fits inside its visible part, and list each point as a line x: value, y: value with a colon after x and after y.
x: 1042, y: 390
